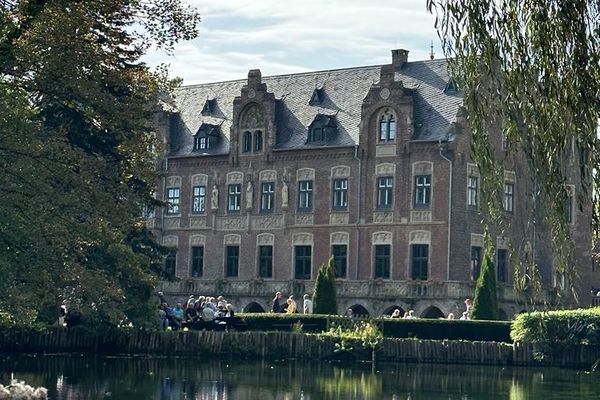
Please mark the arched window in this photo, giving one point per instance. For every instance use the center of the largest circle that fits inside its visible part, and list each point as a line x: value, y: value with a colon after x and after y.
x: 258, y: 141
x: 387, y: 127
x: 247, y: 145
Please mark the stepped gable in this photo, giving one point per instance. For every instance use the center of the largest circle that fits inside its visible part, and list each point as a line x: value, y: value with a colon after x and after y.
x: 343, y: 91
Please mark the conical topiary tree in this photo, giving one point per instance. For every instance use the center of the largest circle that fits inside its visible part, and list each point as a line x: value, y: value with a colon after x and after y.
x: 485, y: 302
x: 324, y: 296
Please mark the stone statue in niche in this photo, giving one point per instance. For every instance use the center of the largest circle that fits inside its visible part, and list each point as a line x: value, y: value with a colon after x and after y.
x: 249, y: 195
x: 214, y: 198
x: 284, y: 195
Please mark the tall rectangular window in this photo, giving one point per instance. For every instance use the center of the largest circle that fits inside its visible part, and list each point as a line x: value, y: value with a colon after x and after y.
x: 472, y: 191
x: 382, y: 261
x: 171, y: 264
x: 198, y: 199
x: 197, y: 261
x: 340, y: 194
x: 267, y: 196
x: 232, y: 261
x: 305, y: 195
x: 173, y: 200
x: 502, y: 264
x: 422, y: 190
x: 475, y: 262
x: 265, y: 261
x: 420, y: 261
x: 302, y: 262
x: 234, y: 198
x: 509, y: 197
x: 569, y: 207
x: 385, y: 192
x: 340, y: 256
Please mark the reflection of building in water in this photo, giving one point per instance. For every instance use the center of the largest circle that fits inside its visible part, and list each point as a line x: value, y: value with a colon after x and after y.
x: 371, y: 165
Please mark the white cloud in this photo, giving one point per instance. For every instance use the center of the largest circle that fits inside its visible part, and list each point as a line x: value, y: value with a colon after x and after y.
x: 294, y: 36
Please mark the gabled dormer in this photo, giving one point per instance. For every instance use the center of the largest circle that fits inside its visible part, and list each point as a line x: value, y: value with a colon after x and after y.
x: 451, y: 86
x: 317, y: 97
x: 322, y: 129
x: 207, y: 137
x: 209, y: 108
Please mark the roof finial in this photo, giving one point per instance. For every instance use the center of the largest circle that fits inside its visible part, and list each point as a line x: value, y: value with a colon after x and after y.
x: 431, y: 53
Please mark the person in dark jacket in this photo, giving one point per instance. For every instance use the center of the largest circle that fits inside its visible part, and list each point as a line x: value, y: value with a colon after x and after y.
x: 276, y: 307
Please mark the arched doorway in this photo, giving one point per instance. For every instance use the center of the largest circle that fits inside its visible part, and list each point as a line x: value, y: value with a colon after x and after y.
x: 254, y: 307
x: 359, y: 311
x: 388, y: 311
x: 433, y: 313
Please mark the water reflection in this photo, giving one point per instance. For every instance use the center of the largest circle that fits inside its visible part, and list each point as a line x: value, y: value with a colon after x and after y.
x: 70, y: 378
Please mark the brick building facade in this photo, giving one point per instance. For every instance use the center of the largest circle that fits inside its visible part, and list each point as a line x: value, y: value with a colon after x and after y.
x: 269, y: 177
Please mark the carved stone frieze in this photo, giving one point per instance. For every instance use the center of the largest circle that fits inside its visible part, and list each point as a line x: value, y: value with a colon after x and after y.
x: 199, y: 180
x: 235, y: 177
x: 267, y: 222
x: 340, y: 171
x: 304, y: 219
x: 339, y: 218
x: 268, y: 176
x: 173, y: 181
x: 423, y: 168
x: 476, y: 240
x: 231, y: 223
x: 502, y: 242
x: 510, y: 176
x: 265, y: 239
x: 472, y: 170
x: 305, y: 174
x: 302, y: 238
x: 232, y: 238
x: 339, y: 238
x: 197, y: 240
x: 252, y: 117
x: 385, y: 169
x: 198, y: 222
x: 172, y: 223
x: 385, y: 150
x: 420, y: 237
x: 420, y: 216
x: 170, y: 241
x: 383, y: 217
x: 382, y: 238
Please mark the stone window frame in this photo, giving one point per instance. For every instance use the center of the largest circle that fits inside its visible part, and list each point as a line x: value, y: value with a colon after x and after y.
x: 267, y: 176
x: 173, y: 183
x: 231, y: 240
x: 477, y: 241
x: 419, y: 237
x: 382, y: 238
x: 234, y: 178
x: 508, y: 196
x: 419, y: 169
x: 302, y: 239
x: 197, y: 241
x: 384, y: 170
x: 265, y: 239
x: 392, y: 117
x: 304, y: 175
x: 340, y: 239
x: 199, y: 181
x: 473, y: 172
x: 171, y: 241
x: 339, y: 173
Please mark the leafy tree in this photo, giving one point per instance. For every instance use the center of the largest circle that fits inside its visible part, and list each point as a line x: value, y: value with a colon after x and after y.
x: 532, y: 69
x: 485, y: 301
x: 324, y: 297
x: 76, y: 153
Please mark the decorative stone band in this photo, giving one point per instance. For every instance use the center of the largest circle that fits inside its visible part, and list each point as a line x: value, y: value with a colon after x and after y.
x: 199, y: 180
x: 265, y: 239
x: 420, y: 237
x: 305, y: 174
x: 235, y: 177
x: 340, y: 171
x: 382, y: 238
x: 232, y: 239
x: 302, y: 239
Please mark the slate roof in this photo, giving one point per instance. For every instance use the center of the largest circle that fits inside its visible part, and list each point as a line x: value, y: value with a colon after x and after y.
x: 344, y: 91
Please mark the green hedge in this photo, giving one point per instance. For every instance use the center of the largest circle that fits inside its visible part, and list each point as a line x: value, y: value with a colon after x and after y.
x: 492, y: 331
x: 581, y: 326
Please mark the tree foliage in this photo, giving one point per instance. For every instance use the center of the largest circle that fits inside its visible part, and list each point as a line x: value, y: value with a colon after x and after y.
x: 324, y: 297
x: 485, y: 301
x: 76, y: 159
x: 532, y: 70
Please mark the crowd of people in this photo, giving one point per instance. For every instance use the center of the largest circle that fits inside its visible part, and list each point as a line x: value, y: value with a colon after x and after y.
x: 197, y: 312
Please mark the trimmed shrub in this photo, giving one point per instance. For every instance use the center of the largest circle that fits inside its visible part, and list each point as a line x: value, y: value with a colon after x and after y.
x: 324, y: 297
x: 581, y: 326
x: 284, y: 322
x: 439, y: 329
x: 485, y: 302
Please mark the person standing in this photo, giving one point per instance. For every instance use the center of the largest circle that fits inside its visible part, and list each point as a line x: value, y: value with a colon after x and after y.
x: 291, y: 305
x: 308, y: 305
x: 276, y: 307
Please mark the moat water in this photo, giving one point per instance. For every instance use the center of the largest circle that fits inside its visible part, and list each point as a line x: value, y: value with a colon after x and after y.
x: 91, y: 378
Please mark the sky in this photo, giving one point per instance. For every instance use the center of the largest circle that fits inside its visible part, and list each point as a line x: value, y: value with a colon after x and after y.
x: 282, y: 37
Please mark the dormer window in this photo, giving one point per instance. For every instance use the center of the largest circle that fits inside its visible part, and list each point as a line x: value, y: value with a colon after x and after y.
x: 206, y: 137
x: 387, y: 127
x: 321, y: 129
x: 317, y: 97
x: 209, y: 107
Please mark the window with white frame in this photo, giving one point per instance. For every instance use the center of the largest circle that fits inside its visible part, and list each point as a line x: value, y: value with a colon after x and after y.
x: 422, y: 190
x: 509, y: 196
x: 472, y: 191
x: 173, y: 200
x: 198, y: 199
x: 234, y: 198
x: 340, y: 194
x: 267, y: 196
x: 387, y: 127
x: 305, y: 195
x: 385, y: 191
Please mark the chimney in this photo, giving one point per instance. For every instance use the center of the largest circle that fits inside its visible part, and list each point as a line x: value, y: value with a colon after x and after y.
x: 399, y: 58
x: 254, y: 77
